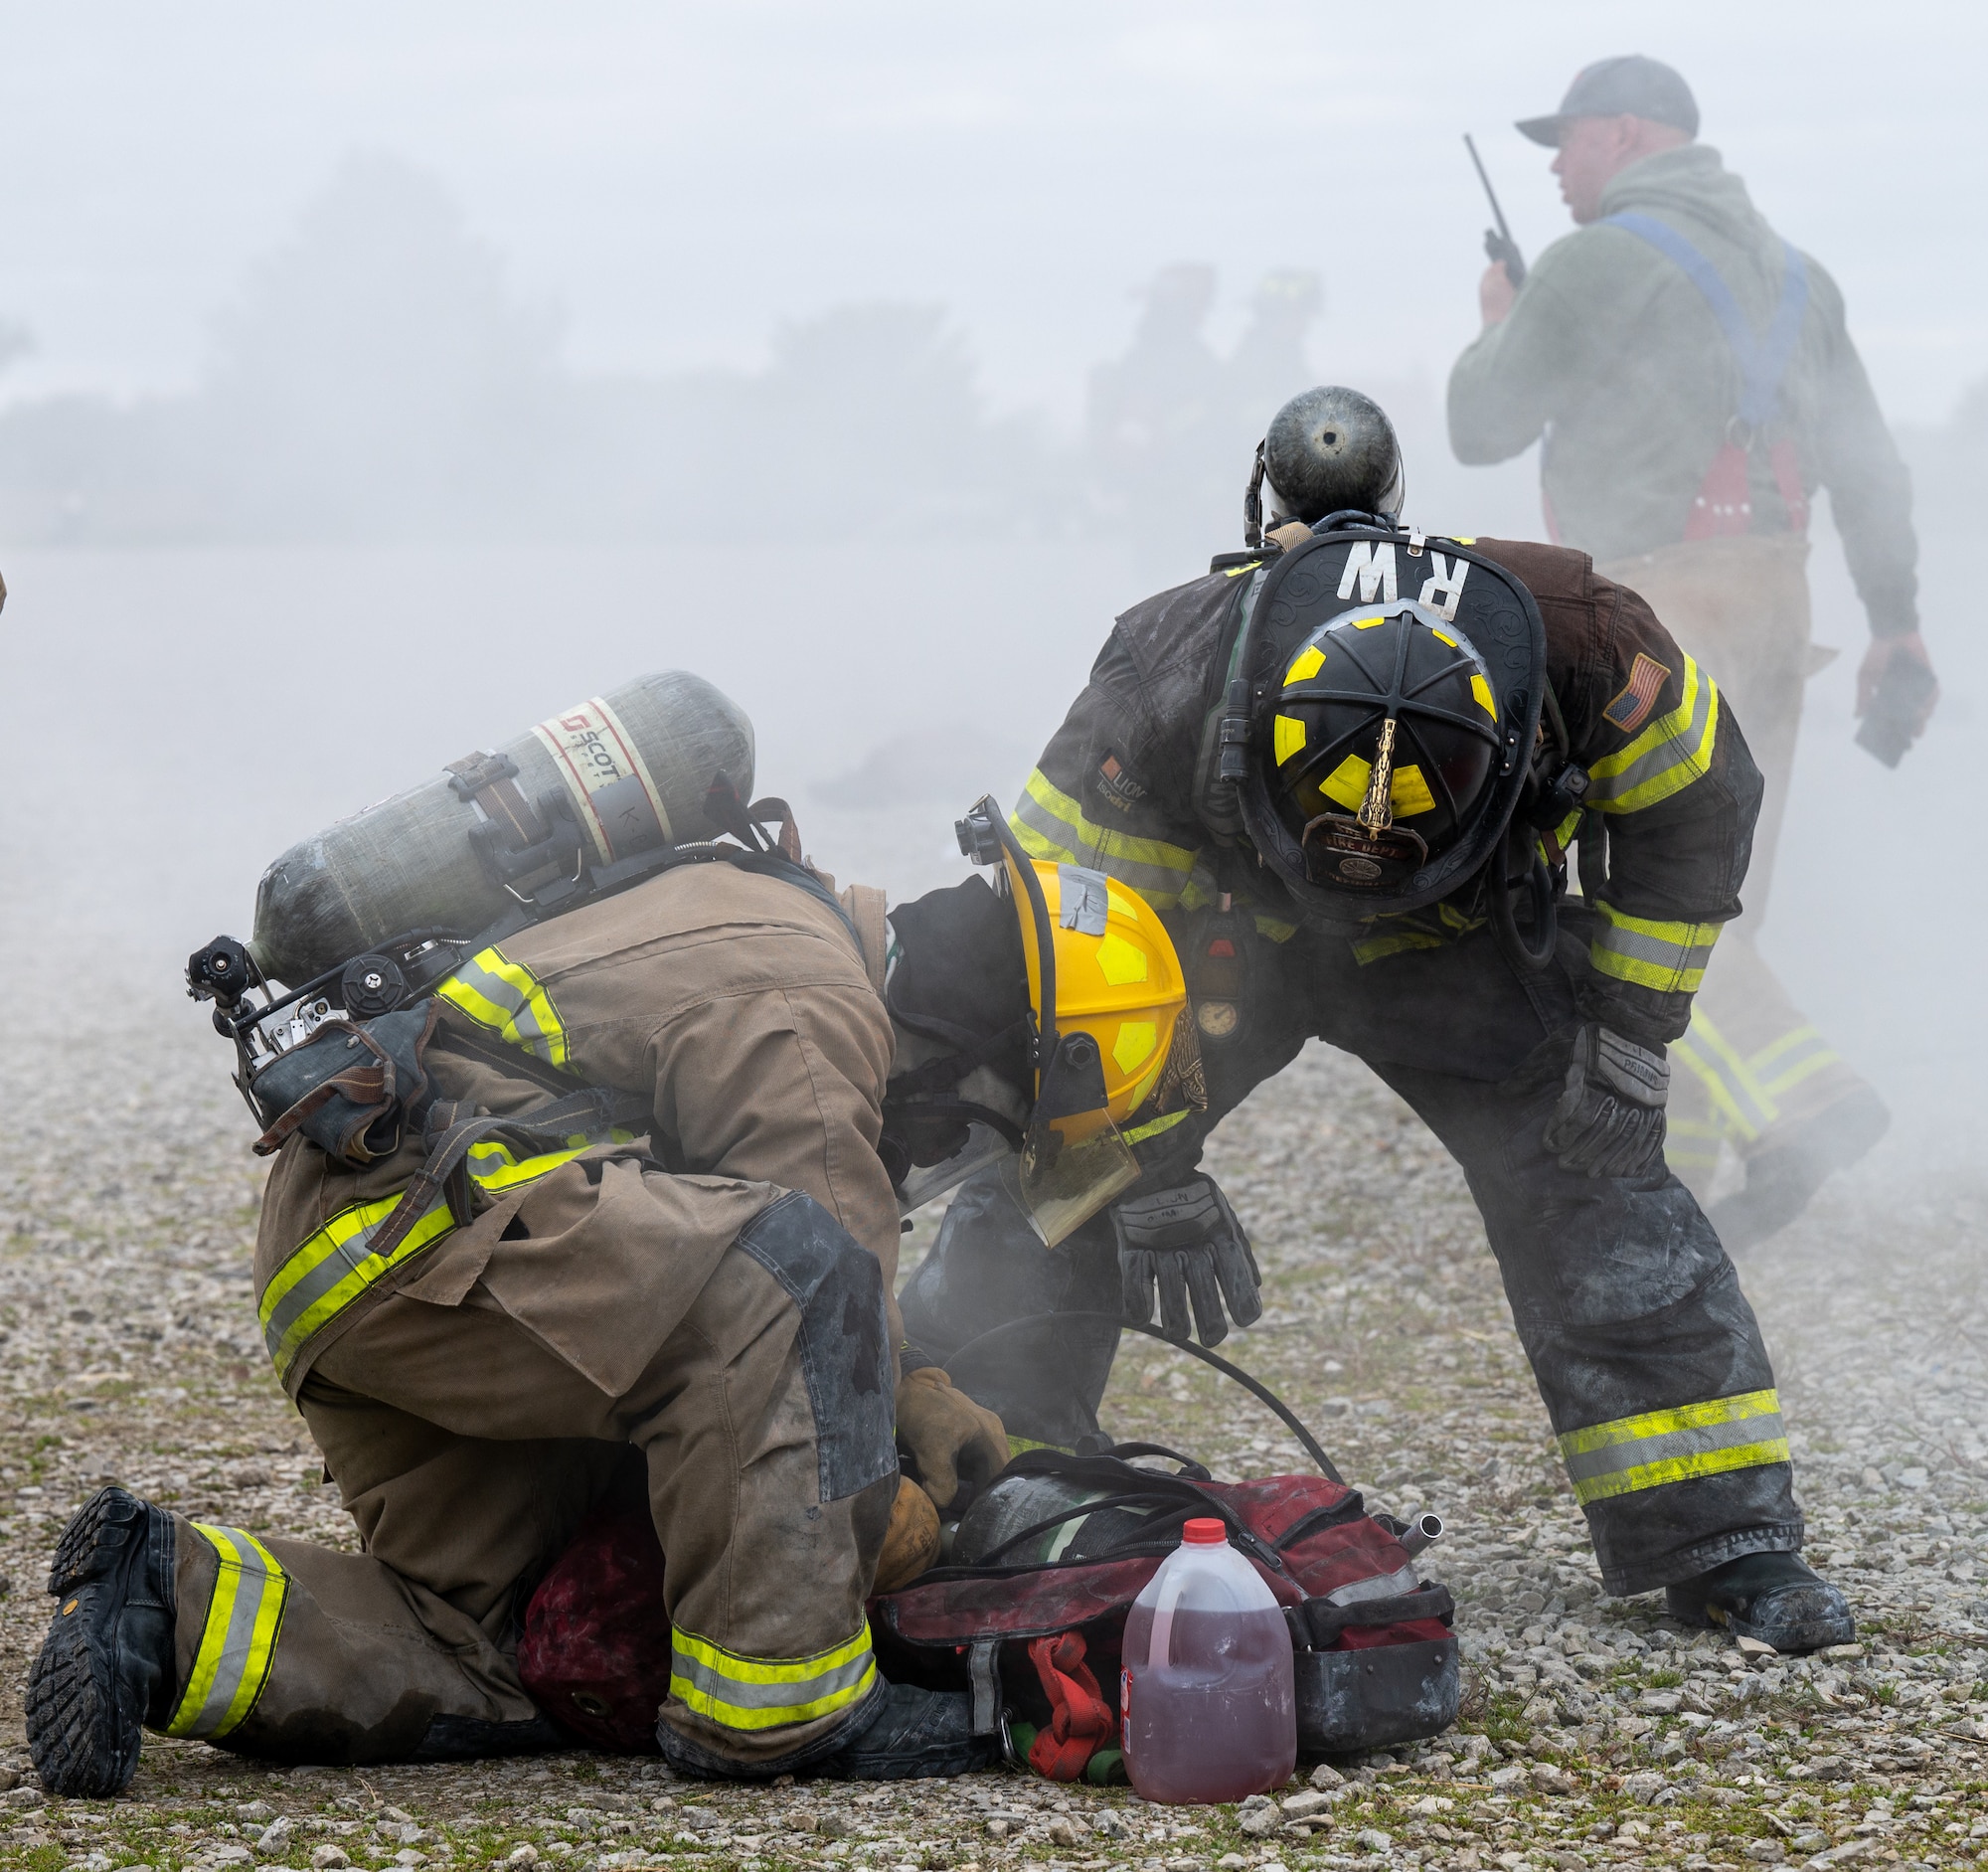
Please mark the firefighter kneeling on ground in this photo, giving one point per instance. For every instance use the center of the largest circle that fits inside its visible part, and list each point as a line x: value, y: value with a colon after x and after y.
x: 1347, y: 766
x: 702, y: 1289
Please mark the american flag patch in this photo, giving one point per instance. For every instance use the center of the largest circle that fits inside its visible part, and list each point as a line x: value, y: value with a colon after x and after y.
x: 1631, y: 709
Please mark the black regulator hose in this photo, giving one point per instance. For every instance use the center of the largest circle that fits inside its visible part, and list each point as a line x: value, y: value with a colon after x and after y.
x: 1534, y: 957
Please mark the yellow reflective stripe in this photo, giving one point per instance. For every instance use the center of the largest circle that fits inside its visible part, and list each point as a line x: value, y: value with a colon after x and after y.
x: 336, y: 1264
x: 1668, y: 957
x: 1049, y: 823
x: 766, y: 1692
x: 496, y: 1169
x: 238, y: 1641
x: 1655, y: 1448
x: 333, y: 1268
x: 1666, y: 756
x: 508, y: 999
x: 1738, y: 1098
x: 1140, y: 1133
x: 1375, y: 949
x: 1811, y: 1053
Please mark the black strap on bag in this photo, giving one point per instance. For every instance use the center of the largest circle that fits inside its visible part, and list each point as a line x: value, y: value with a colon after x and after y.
x: 1318, y: 1624
x: 1165, y: 1503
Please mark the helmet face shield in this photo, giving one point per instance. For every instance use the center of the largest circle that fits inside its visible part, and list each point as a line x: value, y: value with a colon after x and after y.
x: 1060, y: 1184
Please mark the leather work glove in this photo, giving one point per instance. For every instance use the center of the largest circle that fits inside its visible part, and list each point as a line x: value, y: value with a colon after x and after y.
x: 1609, y: 1121
x: 911, y: 1540
x: 950, y: 1437
x: 1187, y: 1243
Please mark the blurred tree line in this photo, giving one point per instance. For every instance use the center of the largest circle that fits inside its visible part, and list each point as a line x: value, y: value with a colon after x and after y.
x: 377, y: 379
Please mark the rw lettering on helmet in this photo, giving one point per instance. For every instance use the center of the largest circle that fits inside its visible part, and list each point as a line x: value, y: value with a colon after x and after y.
x: 1372, y: 567
x: 1444, y: 591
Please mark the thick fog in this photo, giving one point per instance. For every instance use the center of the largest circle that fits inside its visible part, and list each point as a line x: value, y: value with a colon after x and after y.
x: 375, y: 382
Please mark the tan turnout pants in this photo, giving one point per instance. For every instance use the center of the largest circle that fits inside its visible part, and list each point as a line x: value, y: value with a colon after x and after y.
x: 1759, y: 1067
x: 723, y: 1322
x: 467, y: 1452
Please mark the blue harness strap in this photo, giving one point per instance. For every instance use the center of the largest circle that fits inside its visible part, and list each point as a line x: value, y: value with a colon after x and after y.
x: 1764, y: 359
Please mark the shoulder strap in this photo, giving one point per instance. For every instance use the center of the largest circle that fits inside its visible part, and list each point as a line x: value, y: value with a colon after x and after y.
x: 865, y: 907
x: 591, y: 1110
x: 1762, y: 359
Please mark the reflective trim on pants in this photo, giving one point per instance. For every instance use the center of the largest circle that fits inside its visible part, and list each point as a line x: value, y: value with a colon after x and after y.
x: 766, y: 1692
x: 1658, y: 1446
x: 238, y: 1642
x: 1745, y: 1093
x: 508, y: 999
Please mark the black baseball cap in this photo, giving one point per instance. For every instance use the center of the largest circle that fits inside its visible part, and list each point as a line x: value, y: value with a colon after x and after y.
x: 1629, y: 86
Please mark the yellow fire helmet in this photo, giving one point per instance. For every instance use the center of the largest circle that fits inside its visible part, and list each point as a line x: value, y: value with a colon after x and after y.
x: 1106, y: 1009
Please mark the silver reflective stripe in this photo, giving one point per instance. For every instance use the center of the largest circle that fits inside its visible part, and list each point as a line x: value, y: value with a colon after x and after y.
x: 239, y: 1641
x: 342, y: 1260
x: 515, y: 1003
x: 1674, y: 1445
x: 1676, y: 957
x: 1681, y: 747
x: 786, y: 1693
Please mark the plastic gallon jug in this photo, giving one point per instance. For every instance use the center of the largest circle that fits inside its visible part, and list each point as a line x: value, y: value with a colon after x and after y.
x: 1209, y: 1712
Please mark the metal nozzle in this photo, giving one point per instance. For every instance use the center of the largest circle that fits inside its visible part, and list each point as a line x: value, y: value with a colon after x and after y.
x: 1422, y: 1529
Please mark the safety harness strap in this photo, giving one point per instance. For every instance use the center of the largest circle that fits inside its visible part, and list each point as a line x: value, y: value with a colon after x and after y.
x: 1762, y: 358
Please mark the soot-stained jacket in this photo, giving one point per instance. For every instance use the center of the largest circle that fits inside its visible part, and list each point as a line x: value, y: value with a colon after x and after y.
x: 1126, y: 786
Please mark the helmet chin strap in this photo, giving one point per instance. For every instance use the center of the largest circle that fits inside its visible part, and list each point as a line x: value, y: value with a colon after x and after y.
x: 1252, y: 504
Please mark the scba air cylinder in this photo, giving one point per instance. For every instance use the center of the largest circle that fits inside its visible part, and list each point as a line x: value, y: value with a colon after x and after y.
x: 632, y: 767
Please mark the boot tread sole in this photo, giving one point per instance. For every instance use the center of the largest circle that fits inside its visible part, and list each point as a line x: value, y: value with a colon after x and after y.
x: 80, y: 1555
x: 83, y: 1743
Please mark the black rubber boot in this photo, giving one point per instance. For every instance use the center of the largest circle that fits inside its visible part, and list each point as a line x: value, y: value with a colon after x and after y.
x: 916, y: 1732
x: 1775, y: 1597
x: 899, y: 1732
x: 105, y: 1666
x: 1782, y: 1179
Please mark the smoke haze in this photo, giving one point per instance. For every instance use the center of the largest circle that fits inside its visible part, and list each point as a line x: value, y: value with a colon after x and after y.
x: 375, y: 384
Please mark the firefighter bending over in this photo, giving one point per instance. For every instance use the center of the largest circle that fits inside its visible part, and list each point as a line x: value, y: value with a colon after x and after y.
x: 1347, y: 766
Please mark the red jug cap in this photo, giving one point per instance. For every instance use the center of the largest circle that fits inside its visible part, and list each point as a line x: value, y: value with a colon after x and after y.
x: 1204, y: 1531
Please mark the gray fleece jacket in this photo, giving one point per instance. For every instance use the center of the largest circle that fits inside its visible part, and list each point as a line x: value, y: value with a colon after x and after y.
x: 1612, y: 352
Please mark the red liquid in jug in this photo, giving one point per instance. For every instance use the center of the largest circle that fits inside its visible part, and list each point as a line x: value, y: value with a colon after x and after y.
x: 1218, y: 1722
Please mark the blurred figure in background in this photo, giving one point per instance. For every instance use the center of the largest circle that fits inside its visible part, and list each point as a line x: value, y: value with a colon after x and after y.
x: 1153, y: 412
x: 1694, y: 382
x: 1165, y: 410
x: 1269, y: 357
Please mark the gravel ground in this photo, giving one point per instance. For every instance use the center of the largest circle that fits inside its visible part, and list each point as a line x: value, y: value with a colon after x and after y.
x: 1595, y: 1731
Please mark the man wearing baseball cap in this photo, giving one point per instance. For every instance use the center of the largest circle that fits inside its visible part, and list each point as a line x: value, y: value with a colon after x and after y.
x: 1694, y: 382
